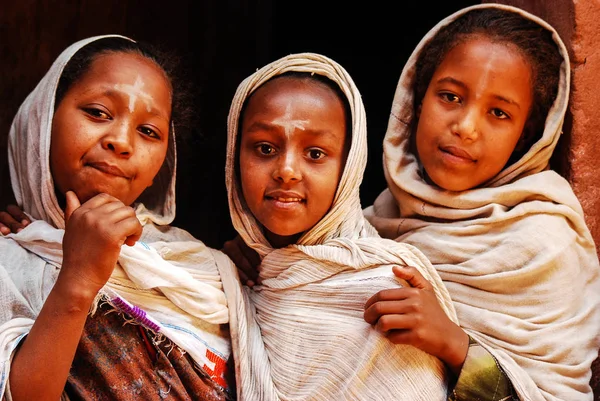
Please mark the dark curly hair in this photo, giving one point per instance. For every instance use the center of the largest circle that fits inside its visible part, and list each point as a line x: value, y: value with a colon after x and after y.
x: 532, y: 40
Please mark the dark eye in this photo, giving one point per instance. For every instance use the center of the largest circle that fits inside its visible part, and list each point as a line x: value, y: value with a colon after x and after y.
x: 316, y: 154
x: 265, y: 149
x: 499, y: 113
x: 149, y: 132
x: 450, y: 97
x: 97, y: 113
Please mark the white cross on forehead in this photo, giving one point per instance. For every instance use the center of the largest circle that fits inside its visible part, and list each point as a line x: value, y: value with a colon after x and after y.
x: 289, y: 124
x: 134, y: 91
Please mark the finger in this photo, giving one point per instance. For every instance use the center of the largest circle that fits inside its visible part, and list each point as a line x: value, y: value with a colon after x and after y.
x: 72, y: 204
x: 113, y: 212
x: 99, y: 200
x: 133, y: 238
x: 8, y: 224
x: 387, y: 295
x: 382, y: 304
x: 123, y: 219
x: 18, y: 214
x: 4, y: 230
x: 399, y: 336
x: 390, y: 323
x: 412, y: 276
x: 130, y: 229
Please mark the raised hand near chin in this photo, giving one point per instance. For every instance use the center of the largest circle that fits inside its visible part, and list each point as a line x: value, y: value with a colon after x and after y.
x: 94, y: 234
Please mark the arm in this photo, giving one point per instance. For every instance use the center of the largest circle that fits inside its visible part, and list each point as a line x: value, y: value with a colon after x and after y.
x: 50, y: 346
x: 482, y: 378
x: 412, y: 315
x: 93, y: 237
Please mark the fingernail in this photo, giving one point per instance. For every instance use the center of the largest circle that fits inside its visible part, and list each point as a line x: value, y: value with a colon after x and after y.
x: 24, y: 222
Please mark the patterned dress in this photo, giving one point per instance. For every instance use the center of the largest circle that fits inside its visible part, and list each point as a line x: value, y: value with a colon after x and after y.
x: 121, y: 361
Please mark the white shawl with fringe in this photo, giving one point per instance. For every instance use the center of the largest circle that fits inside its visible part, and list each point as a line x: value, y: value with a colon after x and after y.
x: 301, y: 334
x: 515, y: 254
x: 168, y: 281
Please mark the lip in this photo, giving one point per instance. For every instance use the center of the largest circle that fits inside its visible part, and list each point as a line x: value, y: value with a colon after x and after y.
x: 108, y: 168
x: 285, y: 197
x: 458, y: 153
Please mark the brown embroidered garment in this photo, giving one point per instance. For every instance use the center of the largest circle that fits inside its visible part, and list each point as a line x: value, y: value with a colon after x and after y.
x: 118, y: 361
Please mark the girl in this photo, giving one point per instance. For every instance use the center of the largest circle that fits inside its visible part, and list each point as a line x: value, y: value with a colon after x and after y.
x: 295, y: 158
x: 476, y: 116
x: 92, y: 157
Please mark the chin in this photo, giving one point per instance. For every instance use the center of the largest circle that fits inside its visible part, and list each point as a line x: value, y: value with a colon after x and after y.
x: 449, y: 185
x: 282, y: 237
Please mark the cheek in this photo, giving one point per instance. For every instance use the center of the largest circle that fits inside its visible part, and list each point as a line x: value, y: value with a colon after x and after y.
x: 325, y: 185
x: 153, y: 158
x: 422, y: 141
x: 502, y: 147
x: 250, y: 181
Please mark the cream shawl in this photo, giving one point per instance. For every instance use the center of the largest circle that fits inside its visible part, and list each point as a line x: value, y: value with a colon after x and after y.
x: 168, y: 281
x: 515, y: 254
x: 301, y: 334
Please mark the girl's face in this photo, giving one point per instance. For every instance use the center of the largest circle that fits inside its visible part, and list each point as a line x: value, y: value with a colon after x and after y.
x: 292, y: 153
x: 473, y: 113
x: 110, y: 132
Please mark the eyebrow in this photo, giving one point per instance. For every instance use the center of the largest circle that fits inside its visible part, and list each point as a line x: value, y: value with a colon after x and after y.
x: 462, y: 85
x: 263, y: 126
x: 111, y: 93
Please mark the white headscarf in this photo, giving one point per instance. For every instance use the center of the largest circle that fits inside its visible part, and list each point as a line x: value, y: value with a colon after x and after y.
x: 301, y: 334
x: 168, y: 281
x: 29, y: 150
x: 515, y: 253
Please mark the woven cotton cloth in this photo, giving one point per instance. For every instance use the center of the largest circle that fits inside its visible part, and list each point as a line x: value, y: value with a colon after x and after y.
x: 168, y: 281
x: 301, y: 334
x: 514, y: 253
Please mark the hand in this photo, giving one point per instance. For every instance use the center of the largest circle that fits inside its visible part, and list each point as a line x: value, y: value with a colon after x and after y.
x: 13, y: 220
x: 94, y: 234
x: 413, y: 316
x: 245, y: 258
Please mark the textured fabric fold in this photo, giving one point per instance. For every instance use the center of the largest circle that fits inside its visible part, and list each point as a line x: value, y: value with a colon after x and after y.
x: 301, y: 335
x: 515, y: 254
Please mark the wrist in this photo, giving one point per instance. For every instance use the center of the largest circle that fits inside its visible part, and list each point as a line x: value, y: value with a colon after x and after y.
x: 456, y: 350
x: 73, y: 295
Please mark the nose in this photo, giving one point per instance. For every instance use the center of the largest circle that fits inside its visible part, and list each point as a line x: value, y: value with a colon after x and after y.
x: 119, y: 139
x: 287, y: 169
x: 467, y: 124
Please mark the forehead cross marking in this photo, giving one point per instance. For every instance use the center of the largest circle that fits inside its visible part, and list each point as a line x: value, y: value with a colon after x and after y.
x: 134, y: 91
x: 289, y: 124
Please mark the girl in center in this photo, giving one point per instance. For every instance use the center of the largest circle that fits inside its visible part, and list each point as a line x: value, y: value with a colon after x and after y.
x: 296, y: 154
